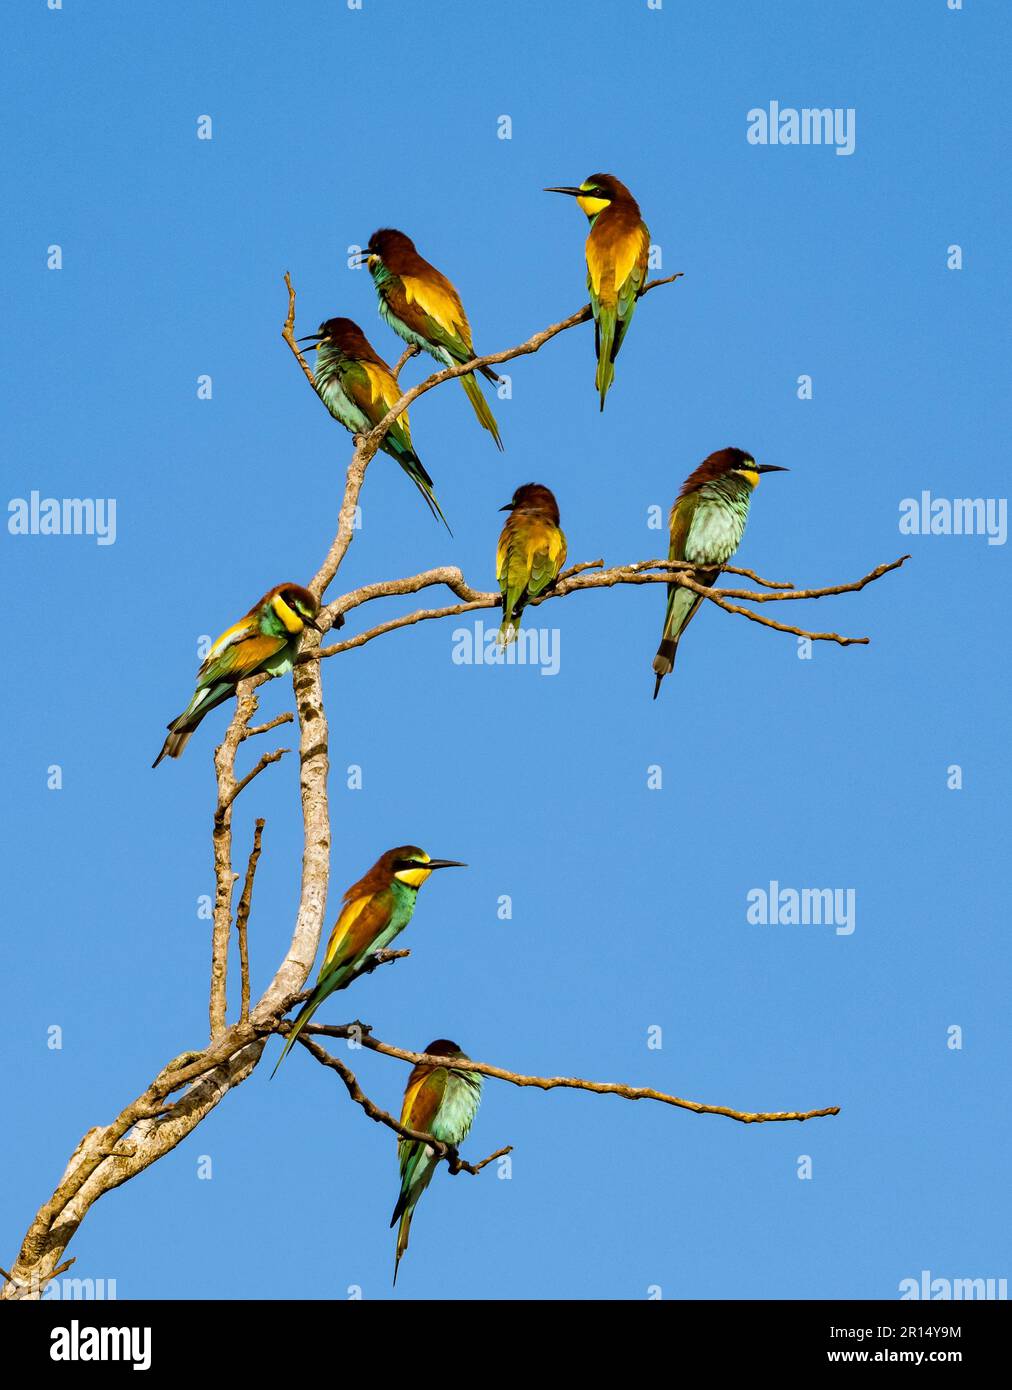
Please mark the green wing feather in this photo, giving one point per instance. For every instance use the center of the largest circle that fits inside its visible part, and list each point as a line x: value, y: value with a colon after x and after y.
x: 627, y: 297
x: 415, y: 1159
x: 544, y: 568
x: 453, y: 343
x: 682, y: 603
x: 440, y: 338
x: 526, y: 567
x: 604, y: 339
x: 614, y: 309
x: 242, y: 657
x: 397, y: 442
x: 359, y: 387
x: 421, y: 1115
x: 359, y: 927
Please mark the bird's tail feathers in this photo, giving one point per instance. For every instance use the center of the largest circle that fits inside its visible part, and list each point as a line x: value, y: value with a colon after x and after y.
x: 605, y: 342
x: 682, y: 607
x: 434, y: 507
x: 301, y: 1019
x: 176, y: 741
x: 416, y: 471
x: 490, y: 375
x: 509, y: 628
x: 205, y: 699
x: 423, y: 483
x: 664, y: 662
x: 481, y: 407
x: 405, y: 1212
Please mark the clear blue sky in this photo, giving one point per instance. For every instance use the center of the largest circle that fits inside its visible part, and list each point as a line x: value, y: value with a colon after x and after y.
x: 629, y: 905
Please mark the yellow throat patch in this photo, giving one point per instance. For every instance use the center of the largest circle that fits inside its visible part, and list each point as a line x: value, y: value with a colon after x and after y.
x: 293, y: 623
x: 414, y: 878
x: 592, y: 206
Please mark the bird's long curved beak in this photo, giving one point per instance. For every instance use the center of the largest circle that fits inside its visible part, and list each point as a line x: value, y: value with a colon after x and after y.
x: 311, y: 622
x: 361, y: 257
x: 573, y: 192
x: 770, y: 468
x: 310, y: 338
x: 445, y: 864
x: 508, y: 507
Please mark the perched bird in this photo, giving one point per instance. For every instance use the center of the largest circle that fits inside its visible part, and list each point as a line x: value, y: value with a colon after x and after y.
x: 266, y: 639
x: 358, y: 388
x: 423, y: 307
x: 376, y: 909
x: 441, y: 1101
x: 617, y: 249
x: 707, y: 524
x: 531, y: 552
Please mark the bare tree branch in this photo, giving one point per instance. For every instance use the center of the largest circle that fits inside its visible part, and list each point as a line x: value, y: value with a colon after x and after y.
x: 410, y: 351
x: 367, y: 444
x: 288, y: 333
x: 492, y: 359
x: 224, y: 875
x: 152, y: 1124
x: 581, y: 577
x: 242, y: 917
x: 362, y: 1033
x: 279, y: 719
x: 18, y: 1291
x: 266, y: 760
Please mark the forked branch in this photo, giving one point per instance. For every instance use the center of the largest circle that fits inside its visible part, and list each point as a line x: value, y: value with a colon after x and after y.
x: 191, y: 1085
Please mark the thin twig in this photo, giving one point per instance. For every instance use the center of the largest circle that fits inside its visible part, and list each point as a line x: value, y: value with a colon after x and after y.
x: 584, y: 576
x: 265, y: 761
x: 288, y: 333
x: 441, y: 1149
x: 42, y: 1284
x: 491, y: 359
x: 285, y: 718
x: 363, y: 1035
x: 458, y: 1165
x: 412, y: 350
x: 367, y: 444
x: 851, y: 588
x: 242, y: 916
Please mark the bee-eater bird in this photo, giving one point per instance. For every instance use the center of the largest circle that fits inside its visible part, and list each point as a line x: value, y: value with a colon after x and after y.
x: 531, y: 552
x: 441, y: 1101
x: 376, y: 909
x: 618, y: 247
x: 358, y: 388
x: 423, y: 308
x: 707, y: 524
x: 266, y: 639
